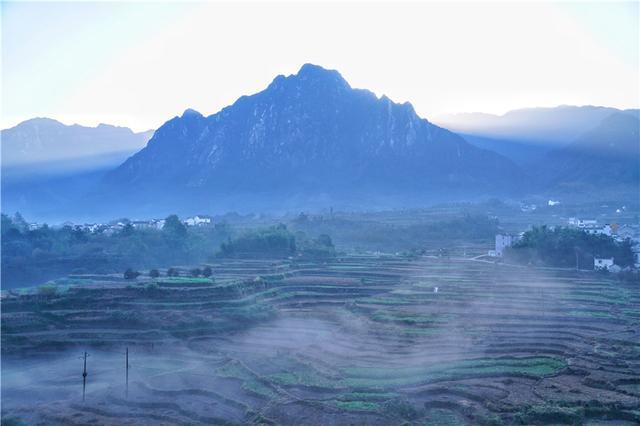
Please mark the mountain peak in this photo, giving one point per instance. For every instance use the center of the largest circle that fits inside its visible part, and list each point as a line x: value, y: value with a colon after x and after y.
x: 310, y: 69
x: 316, y: 73
x: 39, y: 121
x: 191, y: 113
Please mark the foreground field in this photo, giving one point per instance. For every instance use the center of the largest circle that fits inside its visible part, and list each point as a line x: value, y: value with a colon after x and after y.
x: 360, y: 340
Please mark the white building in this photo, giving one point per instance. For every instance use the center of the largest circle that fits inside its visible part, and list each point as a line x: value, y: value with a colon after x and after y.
x: 198, y: 221
x: 142, y: 224
x: 599, y: 230
x: 552, y: 203
x: 158, y: 223
x: 91, y: 227
x: 587, y: 223
x: 583, y: 223
x: 503, y: 241
x: 602, y: 263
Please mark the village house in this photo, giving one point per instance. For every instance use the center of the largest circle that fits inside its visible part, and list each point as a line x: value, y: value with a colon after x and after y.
x: 91, y: 227
x: 602, y: 263
x: 503, y: 241
x: 142, y: 224
x: 582, y: 223
x: 599, y: 230
x: 157, y: 223
x: 198, y: 220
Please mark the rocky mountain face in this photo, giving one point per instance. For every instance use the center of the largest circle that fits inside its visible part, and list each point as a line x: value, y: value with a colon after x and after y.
x: 311, y: 133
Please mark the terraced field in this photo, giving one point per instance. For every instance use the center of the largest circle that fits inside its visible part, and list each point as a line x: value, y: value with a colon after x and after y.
x: 360, y: 340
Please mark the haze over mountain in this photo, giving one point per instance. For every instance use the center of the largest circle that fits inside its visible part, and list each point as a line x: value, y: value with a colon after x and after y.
x: 43, y: 140
x: 309, y: 135
x: 606, y: 158
x: 526, y: 135
x: 309, y: 141
x: 47, y: 165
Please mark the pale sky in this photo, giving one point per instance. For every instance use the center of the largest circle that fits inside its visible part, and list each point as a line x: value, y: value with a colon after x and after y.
x: 138, y: 64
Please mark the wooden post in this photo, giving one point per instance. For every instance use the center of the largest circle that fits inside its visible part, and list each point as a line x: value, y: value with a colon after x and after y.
x: 84, y: 376
x: 127, y: 372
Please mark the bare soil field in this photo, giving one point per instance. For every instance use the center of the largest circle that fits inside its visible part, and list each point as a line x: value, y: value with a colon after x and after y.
x: 363, y: 339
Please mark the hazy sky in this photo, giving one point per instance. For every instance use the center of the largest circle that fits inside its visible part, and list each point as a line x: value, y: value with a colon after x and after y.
x: 139, y: 64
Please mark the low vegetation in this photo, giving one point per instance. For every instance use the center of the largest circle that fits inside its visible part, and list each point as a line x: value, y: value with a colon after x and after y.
x: 277, y: 241
x: 363, y: 338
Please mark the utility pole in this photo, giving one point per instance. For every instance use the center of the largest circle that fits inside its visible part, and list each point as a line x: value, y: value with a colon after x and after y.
x: 84, y: 376
x: 127, y: 372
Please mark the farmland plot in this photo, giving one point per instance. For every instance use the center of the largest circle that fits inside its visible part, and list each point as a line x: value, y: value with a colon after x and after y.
x: 359, y: 340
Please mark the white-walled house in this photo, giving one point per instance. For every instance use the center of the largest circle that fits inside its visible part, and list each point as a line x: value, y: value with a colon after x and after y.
x: 198, y: 221
x: 142, y: 224
x: 599, y: 230
x: 602, y: 263
x: 583, y: 223
x: 503, y: 241
x: 587, y: 223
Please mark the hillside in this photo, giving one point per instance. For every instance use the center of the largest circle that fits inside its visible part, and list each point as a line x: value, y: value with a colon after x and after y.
x: 605, y: 158
x: 527, y: 135
x: 43, y: 140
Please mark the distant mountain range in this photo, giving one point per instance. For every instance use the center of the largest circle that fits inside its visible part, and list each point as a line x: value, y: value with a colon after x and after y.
x: 46, y: 141
x: 526, y: 135
x: 605, y: 158
x: 310, y: 140
x: 47, y: 166
x: 310, y: 135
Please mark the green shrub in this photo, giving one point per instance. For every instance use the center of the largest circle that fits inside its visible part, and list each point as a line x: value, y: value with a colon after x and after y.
x: 130, y: 274
x: 48, y: 289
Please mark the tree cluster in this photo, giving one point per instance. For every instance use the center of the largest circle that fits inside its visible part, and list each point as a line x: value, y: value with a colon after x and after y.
x: 34, y: 256
x: 567, y: 247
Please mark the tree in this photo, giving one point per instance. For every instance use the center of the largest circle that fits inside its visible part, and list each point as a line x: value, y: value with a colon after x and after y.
x: 154, y: 273
x: 275, y: 241
x: 172, y: 272
x: 173, y: 227
x: 325, y: 240
x: 130, y: 274
x: 127, y: 230
x: 195, y: 272
x: 19, y: 222
x: 48, y: 290
x: 207, y: 272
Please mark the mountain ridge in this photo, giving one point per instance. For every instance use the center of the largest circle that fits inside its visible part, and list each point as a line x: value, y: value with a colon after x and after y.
x: 311, y: 131
x: 607, y: 156
x: 46, y: 140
